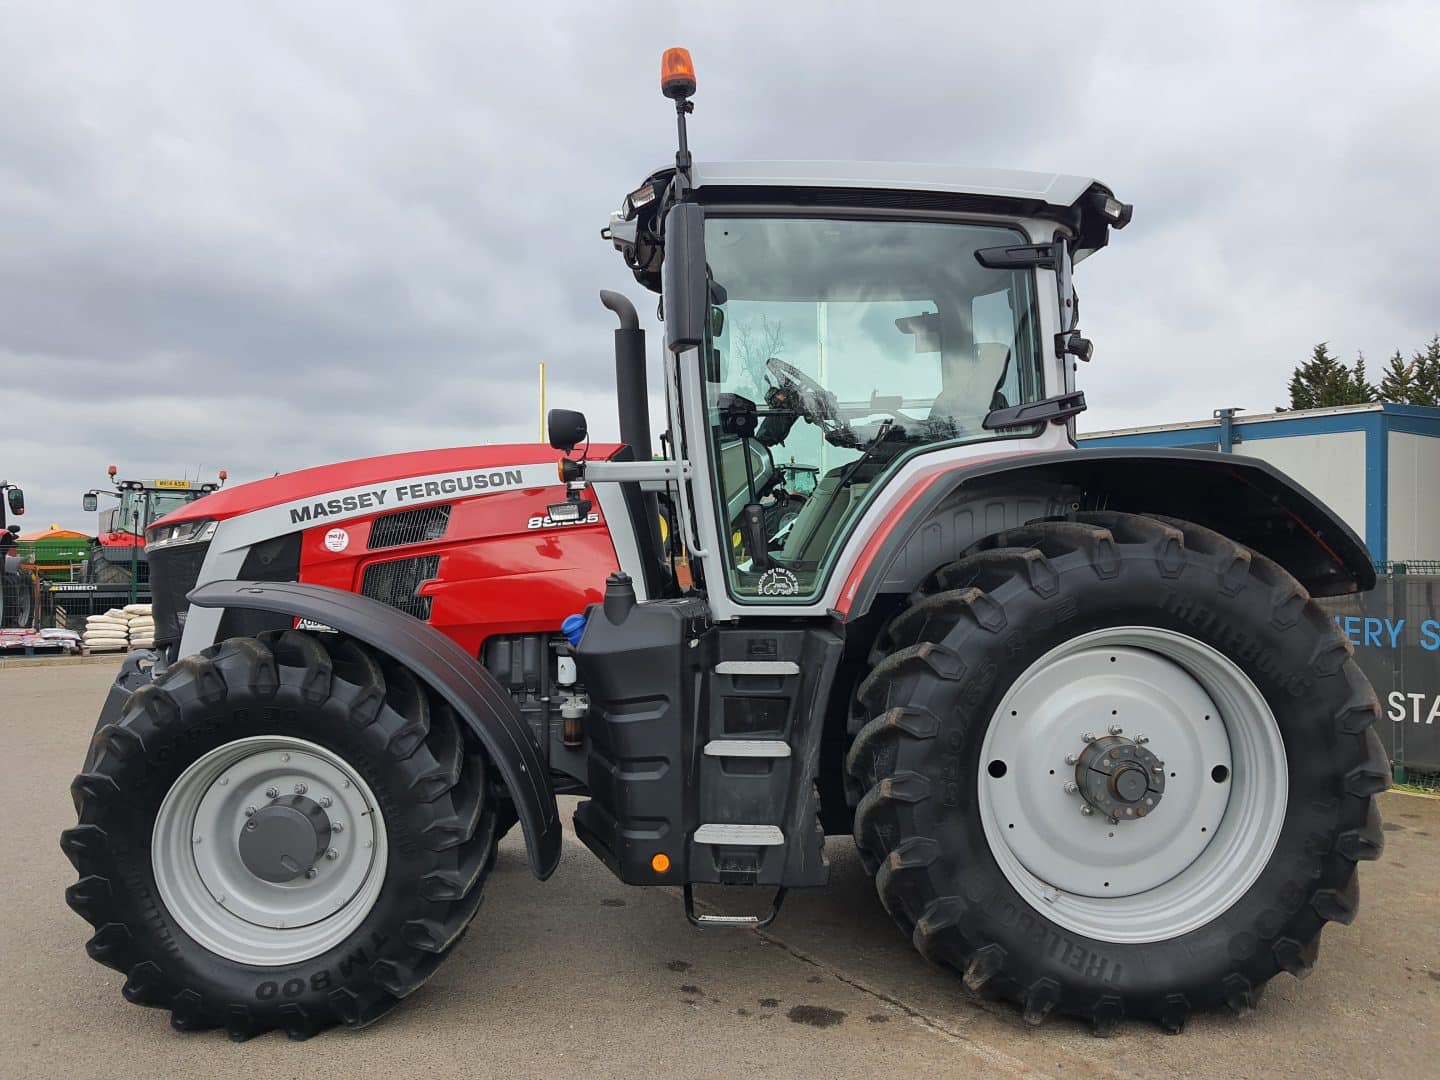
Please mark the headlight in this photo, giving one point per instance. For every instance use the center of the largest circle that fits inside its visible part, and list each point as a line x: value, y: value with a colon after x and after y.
x: 184, y: 532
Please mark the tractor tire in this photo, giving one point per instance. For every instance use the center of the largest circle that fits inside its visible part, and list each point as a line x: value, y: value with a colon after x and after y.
x: 975, y: 743
x: 101, y: 571
x: 369, y: 760
x: 19, y: 604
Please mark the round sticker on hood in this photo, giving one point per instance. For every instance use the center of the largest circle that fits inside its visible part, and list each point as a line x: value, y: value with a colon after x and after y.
x: 337, y: 539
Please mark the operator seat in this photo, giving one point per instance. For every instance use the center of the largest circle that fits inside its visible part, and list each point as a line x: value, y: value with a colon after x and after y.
x: 970, y: 383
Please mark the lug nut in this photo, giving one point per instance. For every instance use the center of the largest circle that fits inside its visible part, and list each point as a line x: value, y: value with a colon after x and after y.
x: 332, y: 854
x: 1088, y: 737
x: 1116, y: 729
x: 311, y: 872
x: 300, y: 789
x: 272, y: 793
x: 1071, y: 759
x: 250, y: 826
x: 337, y: 826
x: 1141, y: 740
x: 1087, y: 810
x: 1071, y: 787
x: 325, y: 801
x: 249, y: 811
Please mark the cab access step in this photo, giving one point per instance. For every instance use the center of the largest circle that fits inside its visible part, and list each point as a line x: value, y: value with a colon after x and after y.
x: 704, y: 742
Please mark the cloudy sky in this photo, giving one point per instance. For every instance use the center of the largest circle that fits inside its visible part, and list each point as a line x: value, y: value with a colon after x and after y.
x: 265, y: 236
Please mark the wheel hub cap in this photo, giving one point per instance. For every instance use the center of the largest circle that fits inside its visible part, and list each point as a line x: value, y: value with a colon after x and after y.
x: 285, y: 839
x: 1120, y: 778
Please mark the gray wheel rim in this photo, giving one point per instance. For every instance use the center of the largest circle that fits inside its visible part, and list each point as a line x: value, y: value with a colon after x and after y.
x: 1212, y: 831
x: 205, y: 883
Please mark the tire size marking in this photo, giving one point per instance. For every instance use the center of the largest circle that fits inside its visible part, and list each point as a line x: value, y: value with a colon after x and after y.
x: 355, y: 962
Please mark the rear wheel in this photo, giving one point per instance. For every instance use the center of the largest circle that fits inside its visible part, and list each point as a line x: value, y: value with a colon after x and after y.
x: 285, y: 832
x: 1117, y: 766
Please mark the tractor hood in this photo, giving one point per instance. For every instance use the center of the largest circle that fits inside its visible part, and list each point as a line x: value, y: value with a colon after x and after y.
x: 325, y: 480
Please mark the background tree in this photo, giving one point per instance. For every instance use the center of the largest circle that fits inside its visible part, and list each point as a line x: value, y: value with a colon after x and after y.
x: 754, y: 342
x: 1324, y: 382
x: 1398, y: 383
x: 1426, y: 366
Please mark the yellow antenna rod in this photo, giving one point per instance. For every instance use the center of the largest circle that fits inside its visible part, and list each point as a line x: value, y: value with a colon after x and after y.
x: 542, y: 400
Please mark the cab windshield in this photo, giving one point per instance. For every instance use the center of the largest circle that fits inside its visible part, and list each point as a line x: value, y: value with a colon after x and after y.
x: 148, y: 507
x: 852, y: 345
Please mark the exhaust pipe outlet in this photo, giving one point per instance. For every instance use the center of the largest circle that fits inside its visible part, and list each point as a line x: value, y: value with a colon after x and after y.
x: 630, y: 375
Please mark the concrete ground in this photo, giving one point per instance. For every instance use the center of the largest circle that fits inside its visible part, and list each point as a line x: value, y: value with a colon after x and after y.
x: 583, y: 976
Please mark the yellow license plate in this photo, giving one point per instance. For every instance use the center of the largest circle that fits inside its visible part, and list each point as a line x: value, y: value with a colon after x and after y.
x: 172, y: 483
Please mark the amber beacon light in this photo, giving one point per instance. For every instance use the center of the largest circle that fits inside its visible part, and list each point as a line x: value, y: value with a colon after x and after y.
x: 677, y: 74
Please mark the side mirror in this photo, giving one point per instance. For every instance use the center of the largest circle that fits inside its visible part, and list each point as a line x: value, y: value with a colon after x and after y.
x: 90, y: 502
x: 567, y: 429
x: 684, y: 278
x: 16, y: 499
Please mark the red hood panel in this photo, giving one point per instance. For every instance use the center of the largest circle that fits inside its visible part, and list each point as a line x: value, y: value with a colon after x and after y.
x: 306, y: 483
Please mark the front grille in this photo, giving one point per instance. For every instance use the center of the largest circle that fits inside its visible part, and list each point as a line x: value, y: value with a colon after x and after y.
x: 416, y: 526
x: 396, y: 583
x: 173, y: 573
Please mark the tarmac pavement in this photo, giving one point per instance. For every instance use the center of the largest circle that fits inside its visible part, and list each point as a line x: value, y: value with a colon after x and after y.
x: 584, y: 976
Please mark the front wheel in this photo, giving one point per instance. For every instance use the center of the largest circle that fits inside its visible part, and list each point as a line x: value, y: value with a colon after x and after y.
x: 285, y: 832
x: 1116, y: 766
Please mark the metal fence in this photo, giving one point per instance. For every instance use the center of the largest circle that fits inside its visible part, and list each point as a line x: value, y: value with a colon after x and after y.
x: 68, y: 605
x: 1409, y: 566
x: 1396, y: 633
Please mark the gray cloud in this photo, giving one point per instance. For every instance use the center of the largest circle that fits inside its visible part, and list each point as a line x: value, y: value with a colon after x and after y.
x: 269, y: 236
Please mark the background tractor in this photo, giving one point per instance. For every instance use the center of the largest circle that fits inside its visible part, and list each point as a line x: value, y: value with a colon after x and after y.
x: 117, y: 556
x: 1101, y: 752
x: 17, y: 585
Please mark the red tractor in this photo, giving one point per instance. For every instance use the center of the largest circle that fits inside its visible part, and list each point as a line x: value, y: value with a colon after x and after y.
x: 117, y: 555
x: 1101, y: 752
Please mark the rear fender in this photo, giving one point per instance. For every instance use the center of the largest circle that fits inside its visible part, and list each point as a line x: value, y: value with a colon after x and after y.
x: 1243, y: 498
x: 447, y: 668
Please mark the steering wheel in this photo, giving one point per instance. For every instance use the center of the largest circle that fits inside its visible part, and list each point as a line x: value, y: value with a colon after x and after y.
x: 816, y: 403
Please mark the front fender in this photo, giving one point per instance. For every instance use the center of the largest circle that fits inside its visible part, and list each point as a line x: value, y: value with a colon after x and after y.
x: 448, y: 669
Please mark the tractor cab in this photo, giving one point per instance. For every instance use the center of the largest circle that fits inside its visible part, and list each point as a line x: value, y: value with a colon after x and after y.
x: 141, y: 503
x: 848, y: 325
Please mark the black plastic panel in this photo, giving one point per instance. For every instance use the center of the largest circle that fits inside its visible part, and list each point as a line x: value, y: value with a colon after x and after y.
x: 643, y: 676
